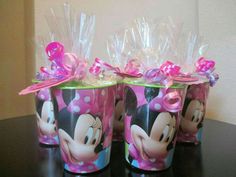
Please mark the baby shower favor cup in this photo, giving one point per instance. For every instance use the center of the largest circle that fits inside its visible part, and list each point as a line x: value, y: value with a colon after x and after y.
x: 193, y: 113
x: 152, y: 117
x: 85, y: 116
x: 46, y: 123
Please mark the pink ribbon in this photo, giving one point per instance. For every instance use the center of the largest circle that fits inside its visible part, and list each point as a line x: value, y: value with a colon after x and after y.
x: 172, y: 102
x: 185, y: 78
x: 100, y: 66
x: 131, y: 68
x: 169, y: 69
x: 164, y: 74
x: 206, y: 67
x: 65, y: 67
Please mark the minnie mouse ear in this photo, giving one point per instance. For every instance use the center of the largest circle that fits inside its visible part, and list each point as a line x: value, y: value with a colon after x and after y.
x: 151, y: 93
x: 39, y: 106
x: 130, y: 101
x: 68, y: 95
x: 65, y: 119
x: 144, y: 118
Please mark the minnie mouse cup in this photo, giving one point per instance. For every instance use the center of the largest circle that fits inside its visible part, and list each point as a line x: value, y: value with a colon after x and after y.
x: 193, y: 113
x: 152, y: 117
x: 85, y: 116
x: 46, y: 123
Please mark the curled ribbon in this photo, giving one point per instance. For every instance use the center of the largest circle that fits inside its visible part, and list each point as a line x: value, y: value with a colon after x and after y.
x: 172, y: 102
x: 131, y: 68
x: 99, y: 66
x: 65, y: 67
x: 206, y: 67
x: 164, y: 74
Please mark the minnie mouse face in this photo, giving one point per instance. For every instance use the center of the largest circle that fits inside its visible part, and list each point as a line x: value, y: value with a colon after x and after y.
x: 85, y: 143
x: 118, y: 120
x: 193, y: 113
x: 80, y: 133
x: 152, y: 132
x: 45, y: 118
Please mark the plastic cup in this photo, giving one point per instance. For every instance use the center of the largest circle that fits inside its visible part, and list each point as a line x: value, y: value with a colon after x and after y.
x: 152, y: 117
x: 118, y: 123
x: 85, y: 116
x: 193, y: 113
x: 46, y: 123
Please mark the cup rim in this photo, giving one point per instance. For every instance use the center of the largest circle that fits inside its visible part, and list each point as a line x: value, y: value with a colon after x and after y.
x: 77, y: 85
x: 175, y: 85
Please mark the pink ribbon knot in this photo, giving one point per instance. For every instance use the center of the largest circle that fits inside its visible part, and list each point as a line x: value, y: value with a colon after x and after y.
x: 206, y: 67
x: 99, y: 66
x: 131, y: 68
x: 164, y: 74
x: 65, y: 67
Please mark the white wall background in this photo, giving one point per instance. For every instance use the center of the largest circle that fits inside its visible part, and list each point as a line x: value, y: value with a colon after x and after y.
x: 217, y: 22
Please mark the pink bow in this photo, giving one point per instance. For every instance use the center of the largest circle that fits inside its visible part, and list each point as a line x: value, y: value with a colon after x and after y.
x: 65, y: 67
x: 131, y: 68
x: 206, y: 67
x: 164, y: 74
x: 100, y: 66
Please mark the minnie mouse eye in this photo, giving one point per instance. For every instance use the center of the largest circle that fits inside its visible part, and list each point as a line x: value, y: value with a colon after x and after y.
x: 170, y: 134
x: 94, y: 141
x: 193, y: 118
x: 88, y: 136
x: 161, y: 137
x: 96, y: 137
x: 85, y: 139
x: 164, y: 134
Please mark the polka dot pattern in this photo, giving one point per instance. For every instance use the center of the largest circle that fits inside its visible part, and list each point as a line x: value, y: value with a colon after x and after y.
x: 42, y: 97
x: 76, y: 109
x: 44, y: 94
x: 87, y: 99
x: 157, y: 106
